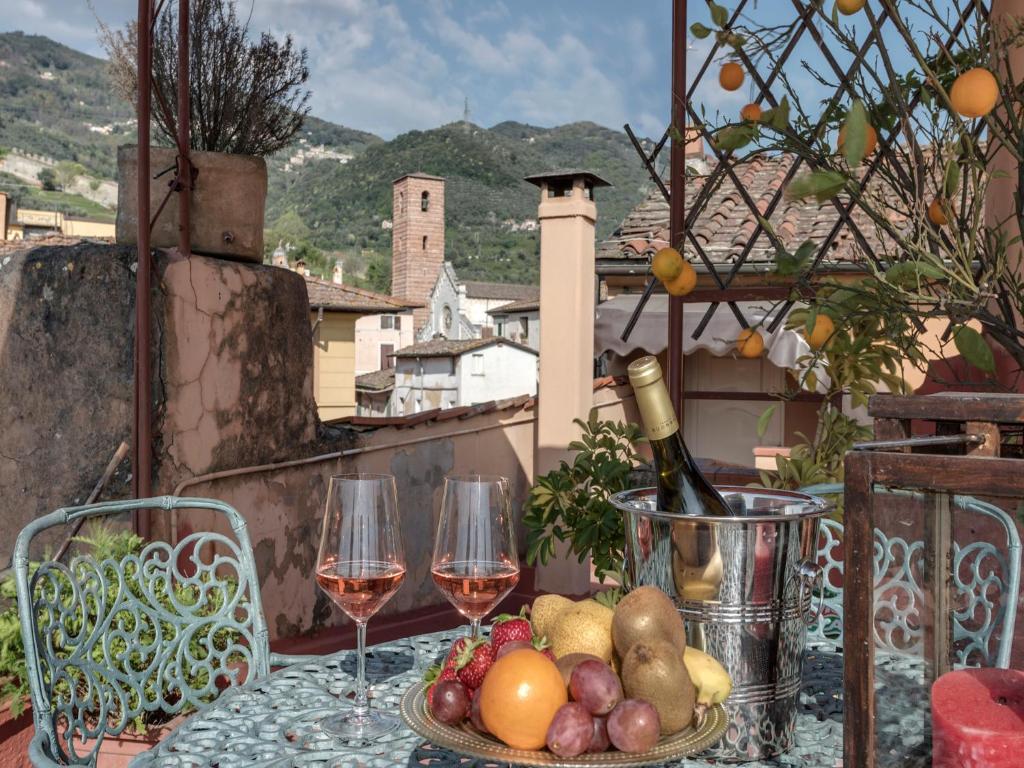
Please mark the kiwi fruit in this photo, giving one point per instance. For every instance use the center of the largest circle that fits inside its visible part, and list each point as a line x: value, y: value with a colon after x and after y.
x: 655, y: 671
x: 647, y: 614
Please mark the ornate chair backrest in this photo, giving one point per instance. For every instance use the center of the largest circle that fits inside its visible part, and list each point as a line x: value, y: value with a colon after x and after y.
x: 107, y: 642
x: 986, y: 576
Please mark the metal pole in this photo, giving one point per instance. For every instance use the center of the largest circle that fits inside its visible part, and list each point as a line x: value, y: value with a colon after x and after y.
x: 184, y: 124
x: 677, y: 200
x: 142, y: 460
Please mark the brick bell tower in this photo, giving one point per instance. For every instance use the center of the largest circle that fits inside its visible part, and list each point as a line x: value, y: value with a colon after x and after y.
x: 417, y: 239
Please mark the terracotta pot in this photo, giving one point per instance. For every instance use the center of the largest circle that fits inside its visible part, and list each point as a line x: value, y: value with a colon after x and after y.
x: 15, y: 735
x: 228, y: 197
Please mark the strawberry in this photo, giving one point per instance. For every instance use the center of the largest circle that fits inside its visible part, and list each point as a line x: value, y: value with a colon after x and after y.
x: 475, y: 660
x: 435, y: 675
x: 456, y: 650
x: 542, y: 645
x: 507, y: 628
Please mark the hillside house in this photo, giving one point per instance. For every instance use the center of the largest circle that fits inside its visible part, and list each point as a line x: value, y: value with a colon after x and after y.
x: 444, y: 373
x: 28, y: 224
x: 335, y: 311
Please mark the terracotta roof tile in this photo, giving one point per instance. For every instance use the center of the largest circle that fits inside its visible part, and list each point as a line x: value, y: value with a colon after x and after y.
x: 511, y: 291
x: 377, y: 381
x: 529, y: 305
x: 347, y: 298
x: 455, y: 347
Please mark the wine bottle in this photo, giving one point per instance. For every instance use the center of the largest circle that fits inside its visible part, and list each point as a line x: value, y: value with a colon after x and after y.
x: 681, y: 486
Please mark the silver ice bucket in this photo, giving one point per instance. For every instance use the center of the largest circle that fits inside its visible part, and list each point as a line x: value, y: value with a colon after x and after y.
x: 745, y: 586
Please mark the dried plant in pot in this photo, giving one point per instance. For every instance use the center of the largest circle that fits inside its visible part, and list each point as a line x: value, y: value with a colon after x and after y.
x: 247, y: 101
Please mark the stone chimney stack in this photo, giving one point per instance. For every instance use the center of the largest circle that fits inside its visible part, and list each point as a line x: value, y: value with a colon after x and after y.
x: 338, y: 274
x: 417, y: 240
x: 567, y: 214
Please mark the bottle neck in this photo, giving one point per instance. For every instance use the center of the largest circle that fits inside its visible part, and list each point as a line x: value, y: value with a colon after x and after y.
x: 656, y: 410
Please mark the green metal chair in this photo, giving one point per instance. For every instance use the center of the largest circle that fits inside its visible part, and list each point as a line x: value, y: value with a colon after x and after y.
x: 106, y: 642
x: 986, y: 581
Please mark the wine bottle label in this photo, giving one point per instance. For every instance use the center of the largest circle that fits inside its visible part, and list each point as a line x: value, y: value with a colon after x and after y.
x: 652, y: 398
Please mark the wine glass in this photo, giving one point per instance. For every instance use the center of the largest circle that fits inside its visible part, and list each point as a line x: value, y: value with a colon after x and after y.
x: 475, y: 560
x: 360, y: 565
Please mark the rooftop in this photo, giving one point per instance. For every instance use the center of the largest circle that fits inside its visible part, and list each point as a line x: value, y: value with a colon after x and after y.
x: 527, y: 305
x: 418, y: 175
x: 562, y: 173
x: 347, y: 298
x: 509, y: 291
x: 728, y: 222
x: 456, y: 347
x: 376, y: 381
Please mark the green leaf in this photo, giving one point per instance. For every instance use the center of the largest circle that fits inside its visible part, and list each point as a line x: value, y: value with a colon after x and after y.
x: 787, y: 264
x: 699, y: 30
x: 855, y: 138
x: 719, y: 15
x: 734, y: 137
x: 765, y: 419
x: 912, y: 272
x: 821, y: 185
x: 972, y: 346
x: 780, y: 115
x: 952, y: 178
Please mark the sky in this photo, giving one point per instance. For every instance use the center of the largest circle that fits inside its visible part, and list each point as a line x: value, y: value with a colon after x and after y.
x: 390, y: 66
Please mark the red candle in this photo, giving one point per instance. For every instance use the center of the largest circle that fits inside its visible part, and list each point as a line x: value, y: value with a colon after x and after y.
x: 978, y: 719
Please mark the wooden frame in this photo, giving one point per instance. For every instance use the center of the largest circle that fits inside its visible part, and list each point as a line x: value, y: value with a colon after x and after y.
x: 979, y: 473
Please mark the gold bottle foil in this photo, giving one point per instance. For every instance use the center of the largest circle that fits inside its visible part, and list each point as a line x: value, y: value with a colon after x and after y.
x: 652, y: 398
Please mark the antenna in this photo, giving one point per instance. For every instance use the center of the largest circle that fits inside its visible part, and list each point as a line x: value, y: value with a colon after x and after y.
x: 465, y: 111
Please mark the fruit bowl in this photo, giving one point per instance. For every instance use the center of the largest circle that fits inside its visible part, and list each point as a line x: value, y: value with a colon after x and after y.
x: 466, y: 740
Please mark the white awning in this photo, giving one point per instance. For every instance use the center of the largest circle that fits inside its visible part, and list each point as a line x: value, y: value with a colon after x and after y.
x: 650, y: 334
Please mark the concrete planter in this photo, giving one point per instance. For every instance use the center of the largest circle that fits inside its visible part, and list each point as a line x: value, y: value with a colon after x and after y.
x: 15, y: 735
x: 228, y: 198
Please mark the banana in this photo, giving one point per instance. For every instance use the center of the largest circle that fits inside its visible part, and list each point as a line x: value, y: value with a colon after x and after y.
x: 709, y: 677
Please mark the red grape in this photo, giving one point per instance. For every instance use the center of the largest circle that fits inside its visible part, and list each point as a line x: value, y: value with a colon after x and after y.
x: 570, y: 731
x: 451, y: 702
x: 512, y: 645
x: 474, y: 712
x: 634, y: 726
x: 599, y: 741
x: 595, y: 686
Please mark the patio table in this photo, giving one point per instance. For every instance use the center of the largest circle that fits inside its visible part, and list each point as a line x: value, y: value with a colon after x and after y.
x: 272, y: 722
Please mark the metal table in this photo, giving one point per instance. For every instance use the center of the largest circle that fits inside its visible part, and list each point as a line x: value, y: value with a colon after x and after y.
x: 271, y: 722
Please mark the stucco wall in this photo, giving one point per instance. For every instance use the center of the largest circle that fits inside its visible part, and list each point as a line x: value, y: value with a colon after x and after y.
x: 334, y: 353
x: 505, y: 372
x: 511, y: 327
x: 370, y: 337
x: 422, y: 384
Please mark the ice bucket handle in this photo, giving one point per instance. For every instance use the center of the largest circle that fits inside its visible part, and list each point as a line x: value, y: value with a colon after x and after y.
x: 811, y: 577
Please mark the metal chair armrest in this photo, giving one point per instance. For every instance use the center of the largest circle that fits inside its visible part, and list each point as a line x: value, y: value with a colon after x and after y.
x: 287, y: 659
x: 37, y: 752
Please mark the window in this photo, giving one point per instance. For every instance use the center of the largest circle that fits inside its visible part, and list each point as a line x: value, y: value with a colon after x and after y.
x: 424, y: 242
x: 560, y: 188
x: 390, y: 322
x: 588, y: 190
x: 425, y: 201
x: 446, y: 318
x: 524, y: 329
x: 499, y: 323
x: 401, y: 202
x: 478, y: 365
x: 451, y: 366
x: 386, y: 351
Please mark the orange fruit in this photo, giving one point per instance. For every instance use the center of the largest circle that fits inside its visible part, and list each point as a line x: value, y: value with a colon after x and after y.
x: 519, y: 697
x: 974, y: 93
x: 870, y: 140
x: 937, y: 212
x: 823, y: 330
x: 685, y: 282
x: 849, y: 7
x: 751, y: 113
x: 750, y: 343
x: 731, y: 76
x: 667, y: 264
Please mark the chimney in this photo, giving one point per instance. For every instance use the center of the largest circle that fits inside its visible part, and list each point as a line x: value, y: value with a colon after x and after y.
x: 3, y: 216
x: 337, y: 276
x: 567, y: 214
x: 694, y: 147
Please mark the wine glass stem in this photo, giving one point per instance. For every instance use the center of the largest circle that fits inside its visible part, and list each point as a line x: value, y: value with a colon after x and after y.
x: 474, y: 629
x: 361, y: 705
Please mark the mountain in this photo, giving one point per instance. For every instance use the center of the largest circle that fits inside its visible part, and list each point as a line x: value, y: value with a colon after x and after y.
x: 343, y: 205
x: 330, y: 193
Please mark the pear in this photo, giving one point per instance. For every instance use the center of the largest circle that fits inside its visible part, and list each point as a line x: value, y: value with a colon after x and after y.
x: 544, y: 610
x: 585, y: 627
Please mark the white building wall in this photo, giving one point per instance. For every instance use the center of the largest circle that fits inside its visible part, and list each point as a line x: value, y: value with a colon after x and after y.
x: 511, y: 327
x: 423, y: 384
x: 495, y: 373
x: 476, y: 309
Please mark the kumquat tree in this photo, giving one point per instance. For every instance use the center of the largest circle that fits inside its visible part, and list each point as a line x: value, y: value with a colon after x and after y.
x: 909, y: 149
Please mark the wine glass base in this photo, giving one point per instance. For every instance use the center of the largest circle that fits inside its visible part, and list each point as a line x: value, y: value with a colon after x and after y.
x: 353, y: 727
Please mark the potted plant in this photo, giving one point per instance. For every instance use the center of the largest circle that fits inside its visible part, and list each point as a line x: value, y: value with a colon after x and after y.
x: 247, y: 102
x: 572, y: 504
